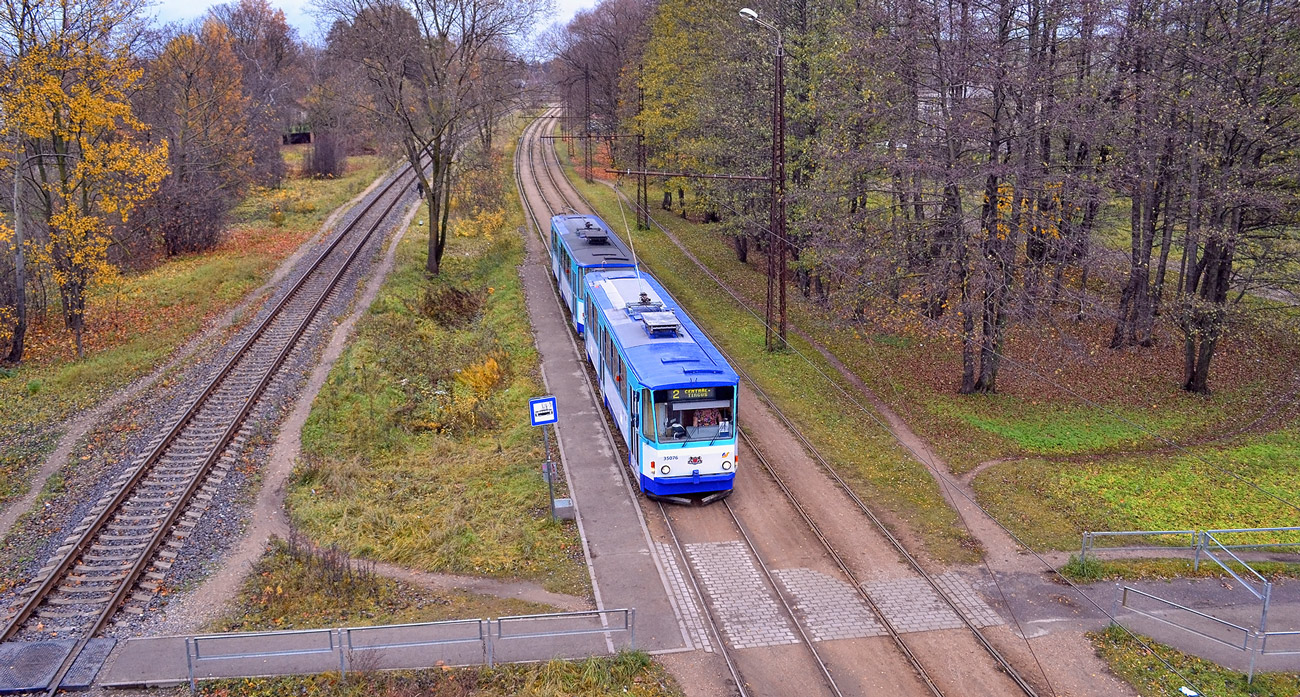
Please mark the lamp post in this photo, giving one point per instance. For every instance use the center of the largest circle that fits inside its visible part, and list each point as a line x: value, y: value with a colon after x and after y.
x: 776, y: 266
x: 20, y: 272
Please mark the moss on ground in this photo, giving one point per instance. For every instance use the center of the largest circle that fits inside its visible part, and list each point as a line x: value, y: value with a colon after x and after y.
x: 135, y: 323
x: 418, y: 450
x: 1161, y: 671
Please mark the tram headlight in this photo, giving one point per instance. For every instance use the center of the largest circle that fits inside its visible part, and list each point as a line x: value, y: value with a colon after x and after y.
x: 664, y: 470
x: 726, y: 465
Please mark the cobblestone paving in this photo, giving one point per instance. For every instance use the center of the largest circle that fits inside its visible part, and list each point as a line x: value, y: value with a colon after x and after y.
x: 968, y: 600
x: 912, y: 606
x: 749, y: 615
x: 830, y: 608
x: 679, y: 593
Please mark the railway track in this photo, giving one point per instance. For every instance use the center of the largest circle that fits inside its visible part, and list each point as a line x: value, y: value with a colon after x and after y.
x: 120, y: 553
x: 917, y: 659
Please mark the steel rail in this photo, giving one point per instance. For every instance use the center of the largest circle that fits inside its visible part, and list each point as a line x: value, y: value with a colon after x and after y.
x: 843, y: 566
x: 767, y: 573
x: 911, y: 560
x: 145, y: 558
x: 725, y: 652
x: 709, y: 613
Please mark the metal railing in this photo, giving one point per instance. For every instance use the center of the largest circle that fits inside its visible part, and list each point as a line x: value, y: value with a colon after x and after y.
x: 1246, y: 632
x: 1263, y: 645
x: 1089, y: 538
x: 351, y: 644
x: 1198, y: 542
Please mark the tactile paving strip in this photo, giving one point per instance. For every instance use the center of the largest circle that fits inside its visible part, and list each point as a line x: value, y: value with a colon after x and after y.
x: 831, y: 608
x: 749, y: 614
x: 681, y: 596
x: 28, y: 666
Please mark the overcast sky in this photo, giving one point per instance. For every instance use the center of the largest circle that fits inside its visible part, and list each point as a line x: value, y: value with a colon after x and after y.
x: 299, y: 12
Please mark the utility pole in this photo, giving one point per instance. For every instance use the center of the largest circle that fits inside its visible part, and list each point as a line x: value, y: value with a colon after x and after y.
x: 642, y: 183
x: 776, y: 248
x: 586, y: 124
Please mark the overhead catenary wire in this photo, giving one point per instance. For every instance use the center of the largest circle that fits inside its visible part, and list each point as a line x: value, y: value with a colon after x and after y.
x: 938, y: 473
x: 1064, y: 388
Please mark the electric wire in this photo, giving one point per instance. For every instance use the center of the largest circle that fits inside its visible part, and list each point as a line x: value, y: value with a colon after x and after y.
x: 929, y: 465
x: 880, y: 525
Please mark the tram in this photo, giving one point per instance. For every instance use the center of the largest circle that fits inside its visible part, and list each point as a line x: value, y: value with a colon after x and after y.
x: 668, y: 389
x: 581, y: 244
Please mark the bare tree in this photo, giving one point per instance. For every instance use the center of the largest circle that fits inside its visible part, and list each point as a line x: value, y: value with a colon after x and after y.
x: 272, y: 77
x: 426, y: 63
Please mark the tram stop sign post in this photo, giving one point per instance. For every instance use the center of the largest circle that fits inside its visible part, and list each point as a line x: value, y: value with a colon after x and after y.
x: 543, y: 412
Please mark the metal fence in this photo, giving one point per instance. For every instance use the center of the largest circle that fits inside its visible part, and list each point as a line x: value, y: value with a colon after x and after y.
x: 361, y: 649
x: 1198, y: 541
x: 1206, y: 544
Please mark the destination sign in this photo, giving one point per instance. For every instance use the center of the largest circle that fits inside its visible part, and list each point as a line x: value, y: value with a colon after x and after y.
x: 692, y: 394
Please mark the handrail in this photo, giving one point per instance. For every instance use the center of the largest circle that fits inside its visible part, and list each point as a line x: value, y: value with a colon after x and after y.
x: 340, y: 640
x: 1246, y: 631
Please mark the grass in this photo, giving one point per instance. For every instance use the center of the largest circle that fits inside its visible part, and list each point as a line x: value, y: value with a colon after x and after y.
x: 631, y: 674
x: 861, y: 450
x: 1076, y: 419
x: 418, y: 450
x: 1051, y: 501
x: 1095, y: 569
x: 1147, y: 672
x: 138, y: 321
x: 295, y: 586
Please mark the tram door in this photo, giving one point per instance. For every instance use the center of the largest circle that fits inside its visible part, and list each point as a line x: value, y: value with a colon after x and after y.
x: 639, y: 407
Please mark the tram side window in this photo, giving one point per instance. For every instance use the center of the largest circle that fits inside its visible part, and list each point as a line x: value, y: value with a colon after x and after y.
x: 709, y: 415
x: 648, y: 417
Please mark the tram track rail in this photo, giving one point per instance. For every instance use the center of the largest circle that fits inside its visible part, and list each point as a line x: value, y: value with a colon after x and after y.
x: 526, y: 149
x: 724, y: 651
x: 117, y: 548
x: 1001, y: 662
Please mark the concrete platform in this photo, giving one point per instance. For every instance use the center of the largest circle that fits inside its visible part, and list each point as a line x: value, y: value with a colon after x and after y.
x: 625, y: 571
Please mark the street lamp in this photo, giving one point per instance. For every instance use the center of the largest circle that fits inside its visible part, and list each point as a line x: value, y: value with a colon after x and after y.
x: 20, y: 272
x: 776, y: 265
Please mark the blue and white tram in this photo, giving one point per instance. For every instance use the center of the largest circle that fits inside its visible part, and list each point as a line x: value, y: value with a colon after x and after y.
x: 581, y: 244
x: 670, y: 391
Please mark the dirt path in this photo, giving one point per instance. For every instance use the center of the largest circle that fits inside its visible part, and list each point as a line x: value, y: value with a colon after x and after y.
x: 268, y: 518
x: 79, y: 425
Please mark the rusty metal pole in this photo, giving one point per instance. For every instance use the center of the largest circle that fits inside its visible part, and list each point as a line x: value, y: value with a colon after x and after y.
x: 776, y: 246
x: 586, y: 123
x: 778, y: 147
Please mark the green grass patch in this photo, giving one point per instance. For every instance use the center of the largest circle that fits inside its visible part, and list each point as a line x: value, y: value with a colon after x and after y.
x: 1052, y: 502
x: 418, y: 449
x: 138, y: 321
x: 295, y: 586
x: 629, y: 674
x: 1094, y: 569
x: 1053, y: 428
x: 1147, y: 672
x: 860, y: 449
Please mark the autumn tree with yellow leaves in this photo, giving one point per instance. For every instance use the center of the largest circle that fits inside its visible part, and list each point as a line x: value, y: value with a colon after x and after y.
x: 192, y: 97
x: 69, y: 127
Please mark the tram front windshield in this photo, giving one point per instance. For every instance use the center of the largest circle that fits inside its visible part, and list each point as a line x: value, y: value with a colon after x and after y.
x: 692, y: 414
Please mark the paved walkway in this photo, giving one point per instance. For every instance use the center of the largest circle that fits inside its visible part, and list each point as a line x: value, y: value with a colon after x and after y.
x: 625, y: 572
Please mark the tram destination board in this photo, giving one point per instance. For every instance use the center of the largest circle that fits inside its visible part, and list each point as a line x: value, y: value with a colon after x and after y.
x: 692, y: 393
